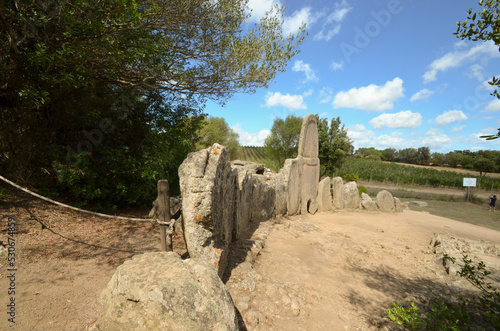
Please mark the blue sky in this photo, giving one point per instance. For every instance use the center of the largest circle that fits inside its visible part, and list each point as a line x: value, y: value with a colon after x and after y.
x: 391, y: 70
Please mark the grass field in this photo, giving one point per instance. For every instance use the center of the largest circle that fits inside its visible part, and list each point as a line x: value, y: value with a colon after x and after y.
x: 463, y: 212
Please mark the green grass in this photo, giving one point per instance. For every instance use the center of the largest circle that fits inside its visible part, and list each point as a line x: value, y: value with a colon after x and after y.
x: 463, y: 212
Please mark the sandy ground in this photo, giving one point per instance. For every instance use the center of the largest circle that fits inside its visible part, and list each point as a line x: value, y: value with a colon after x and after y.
x: 341, y: 271
x: 330, y: 271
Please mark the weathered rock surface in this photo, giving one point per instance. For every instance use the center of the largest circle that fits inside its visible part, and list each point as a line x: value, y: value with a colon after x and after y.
x: 280, y: 206
x: 351, y: 198
x: 398, y: 207
x: 160, y: 291
x: 369, y: 205
x: 325, y: 194
x: 253, y: 168
x: 475, y: 250
x: 208, y: 187
x: 309, y: 165
x: 385, y: 201
x: 292, y: 181
x: 338, y: 192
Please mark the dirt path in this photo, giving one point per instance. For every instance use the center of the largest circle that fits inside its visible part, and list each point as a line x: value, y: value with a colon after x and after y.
x: 341, y: 271
x: 331, y: 271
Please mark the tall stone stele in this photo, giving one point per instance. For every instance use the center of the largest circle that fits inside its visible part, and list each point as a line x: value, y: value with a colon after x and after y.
x: 309, y: 164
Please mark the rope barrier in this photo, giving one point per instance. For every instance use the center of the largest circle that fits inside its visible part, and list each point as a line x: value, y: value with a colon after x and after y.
x: 74, y: 208
x: 44, y: 226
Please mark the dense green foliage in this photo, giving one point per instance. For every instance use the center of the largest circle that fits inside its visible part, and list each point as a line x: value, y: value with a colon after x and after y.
x: 483, y: 26
x: 99, y: 99
x: 216, y: 130
x: 367, y: 169
x: 283, y: 141
x: 483, y: 161
x: 334, y: 145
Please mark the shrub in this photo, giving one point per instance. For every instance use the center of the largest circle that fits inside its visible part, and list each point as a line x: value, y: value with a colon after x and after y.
x: 453, y: 317
x: 351, y: 177
x: 362, y: 189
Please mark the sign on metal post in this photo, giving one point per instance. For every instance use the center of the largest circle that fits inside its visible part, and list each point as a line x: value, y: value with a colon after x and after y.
x: 469, y: 182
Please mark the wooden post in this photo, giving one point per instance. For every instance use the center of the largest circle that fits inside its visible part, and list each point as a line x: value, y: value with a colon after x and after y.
x: 164, y: 215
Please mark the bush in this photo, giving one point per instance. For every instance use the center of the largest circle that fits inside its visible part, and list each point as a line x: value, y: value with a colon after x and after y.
x: 453, y: 317
x: 351, y: 177
x: 362, y: 189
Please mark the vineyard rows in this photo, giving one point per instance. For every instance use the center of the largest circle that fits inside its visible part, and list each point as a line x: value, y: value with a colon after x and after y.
x: 257, y: 154
x: 401, y: 174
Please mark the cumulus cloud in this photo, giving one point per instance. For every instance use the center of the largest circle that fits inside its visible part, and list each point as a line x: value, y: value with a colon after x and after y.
x: 450, y: 117
x: 492, y: 106
x: 459, y: 57
x: 251, y: 139
x: 301, y: 66
x: 371, y: 97
x: 305, y: 15
x: 421, y: 95
x: 402, y: 120
x: 332, y: 24
x: 259, y: 8
x: 292, y: 102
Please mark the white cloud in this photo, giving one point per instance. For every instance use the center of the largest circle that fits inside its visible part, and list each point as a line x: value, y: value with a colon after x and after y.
x: 259, y: 8
x: 458, y: 129
x: 436, y: 142
x: 251, y: 139
x: 292, y: 23
x: 335, y: 66
x: 402, y: 120
x: 301, y: 66
x: 450, y: 117
x: 292, y: 102
x: 492, y: 106
x: 332, y: 24
x: 421, y: 95
x: 325, y: 94
x: 476, y: 72
x: 371, y: 97
x: 457, y: 58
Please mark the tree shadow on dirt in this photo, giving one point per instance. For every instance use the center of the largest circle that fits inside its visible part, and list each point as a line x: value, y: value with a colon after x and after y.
x: 402, y: 290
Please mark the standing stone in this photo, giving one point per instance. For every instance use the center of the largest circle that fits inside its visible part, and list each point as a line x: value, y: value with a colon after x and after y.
x: 281, y: 194
x: 208, y: 187
x: 338, y: 192
x: 309, y: 164
x: 325, y: 194
x: 397, y: 205
x: 292, y: 181
x: 160, y: 291
x: 351, y: 195
x: 385, y: 201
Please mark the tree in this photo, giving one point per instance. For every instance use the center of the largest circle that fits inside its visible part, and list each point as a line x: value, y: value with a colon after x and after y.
x: 216, y: 130
x: 389, y: 154
x: 283, y: 141
x: 484, y: 166
x: 142, y: 66
x: 334, y: 145
x: 485, y: 26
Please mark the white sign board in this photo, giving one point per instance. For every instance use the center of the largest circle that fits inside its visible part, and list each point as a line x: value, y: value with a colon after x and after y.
x: 471, y: 182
